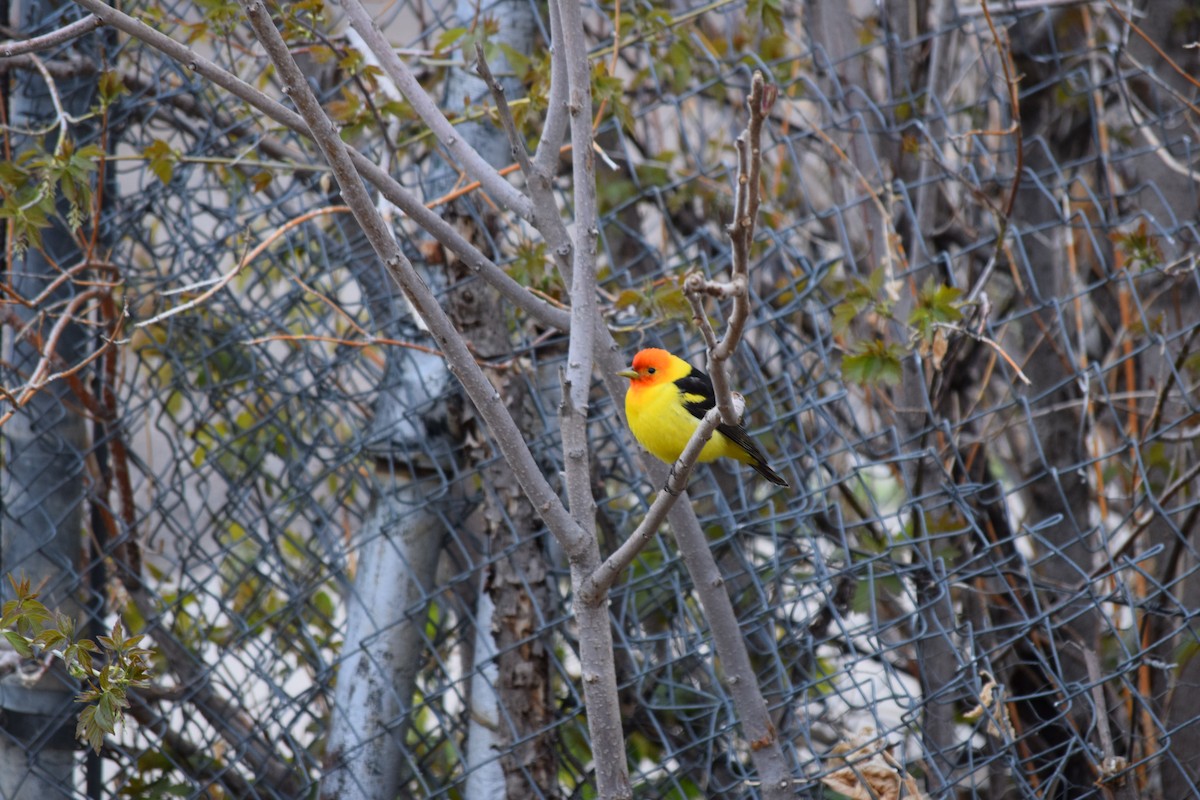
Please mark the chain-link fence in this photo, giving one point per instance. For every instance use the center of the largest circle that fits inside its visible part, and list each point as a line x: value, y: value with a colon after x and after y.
x: 971, y: 353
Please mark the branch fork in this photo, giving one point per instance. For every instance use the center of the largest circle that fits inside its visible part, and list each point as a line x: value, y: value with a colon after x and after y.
x: 741, y: 234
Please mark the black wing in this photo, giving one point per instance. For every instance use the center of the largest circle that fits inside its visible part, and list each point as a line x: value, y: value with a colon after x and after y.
x: 699, y: 397
x: 698, y: 393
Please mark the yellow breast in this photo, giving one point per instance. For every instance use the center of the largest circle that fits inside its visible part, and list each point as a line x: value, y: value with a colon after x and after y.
x: 663, y: 426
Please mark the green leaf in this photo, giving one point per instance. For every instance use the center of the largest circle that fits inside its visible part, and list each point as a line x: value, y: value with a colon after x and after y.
x: 843, y: 314
x: 1141, y: 249
x: 323, y: 604
x: 111, y: 87
x: 871, y: 590
x: 681, y: 59
x: 768, y: 12
x: 106, y: 678
x: 224, y: 15
x: 29, y: 216
x: 448, y: 38
x: 873, y: 363
x: 937, y: 304
x: 19, y: 643
x: 161, y: 160
x: 88, y: 731
x: 49, y: 638
x: 670, y: 302
x: 105, y: 715
x: 517, y: 61
x: 860, y: 296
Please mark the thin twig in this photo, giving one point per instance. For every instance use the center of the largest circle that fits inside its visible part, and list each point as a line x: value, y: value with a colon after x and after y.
x: 66, y: 33
x: 217, y: 286
x: 1168, y: 383
x: 1017, y: 6
x: 1111, y: 762
x: 371, y: 341
x: 220, y: 282
x: 334, y: 307
x: 979, y: 337
x: 47, y: 348
x: 63, y: 276
x: 520, y: 154
x: 1154, y: 45
x: 63, y: 118
x: 1014, y: 101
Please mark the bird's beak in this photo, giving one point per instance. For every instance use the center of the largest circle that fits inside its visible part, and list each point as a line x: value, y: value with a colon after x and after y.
x: 629, y: 373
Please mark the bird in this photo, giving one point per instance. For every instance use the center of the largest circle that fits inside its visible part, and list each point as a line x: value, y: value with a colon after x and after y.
x: 667, y: 398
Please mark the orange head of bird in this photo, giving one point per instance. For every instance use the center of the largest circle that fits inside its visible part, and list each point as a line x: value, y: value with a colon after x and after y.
x: 649, y: 365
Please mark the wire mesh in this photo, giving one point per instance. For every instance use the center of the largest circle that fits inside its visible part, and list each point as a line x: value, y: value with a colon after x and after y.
x: 982, y: 583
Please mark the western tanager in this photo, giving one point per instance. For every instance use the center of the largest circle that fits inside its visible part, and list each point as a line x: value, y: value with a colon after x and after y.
x: 666, y: 400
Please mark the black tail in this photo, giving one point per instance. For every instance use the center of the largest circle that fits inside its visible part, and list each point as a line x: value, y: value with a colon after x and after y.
x: 754, y: 456
x: 774, y: 477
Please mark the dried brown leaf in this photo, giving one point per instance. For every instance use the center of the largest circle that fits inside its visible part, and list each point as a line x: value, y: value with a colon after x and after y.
x: 991, y: 698
x: 869, y: 771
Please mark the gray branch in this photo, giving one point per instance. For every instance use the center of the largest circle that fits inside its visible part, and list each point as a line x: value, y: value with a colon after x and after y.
x: 583, y: 285
x: 766, y: 754
x: 545, y: 160
x: 519, y: 153
x: 546, y: 216
x: 596, y: 649
x: 17, y: 47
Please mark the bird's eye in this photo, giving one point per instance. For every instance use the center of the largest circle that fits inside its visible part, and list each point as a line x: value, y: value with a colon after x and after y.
x: 649, y: 370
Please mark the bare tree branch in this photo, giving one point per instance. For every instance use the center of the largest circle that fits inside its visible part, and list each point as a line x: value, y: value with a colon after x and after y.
x: 741, y: 235
x: 595, y: 587
x: 507, y: 436
x: 596, y: 647
x: 519, y: 153
x: 82, y: 27
x: 765, y: 752
x: 545, y: 160
x: 587, y: 232
x: 429, y: 112
x: 428, y: 220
